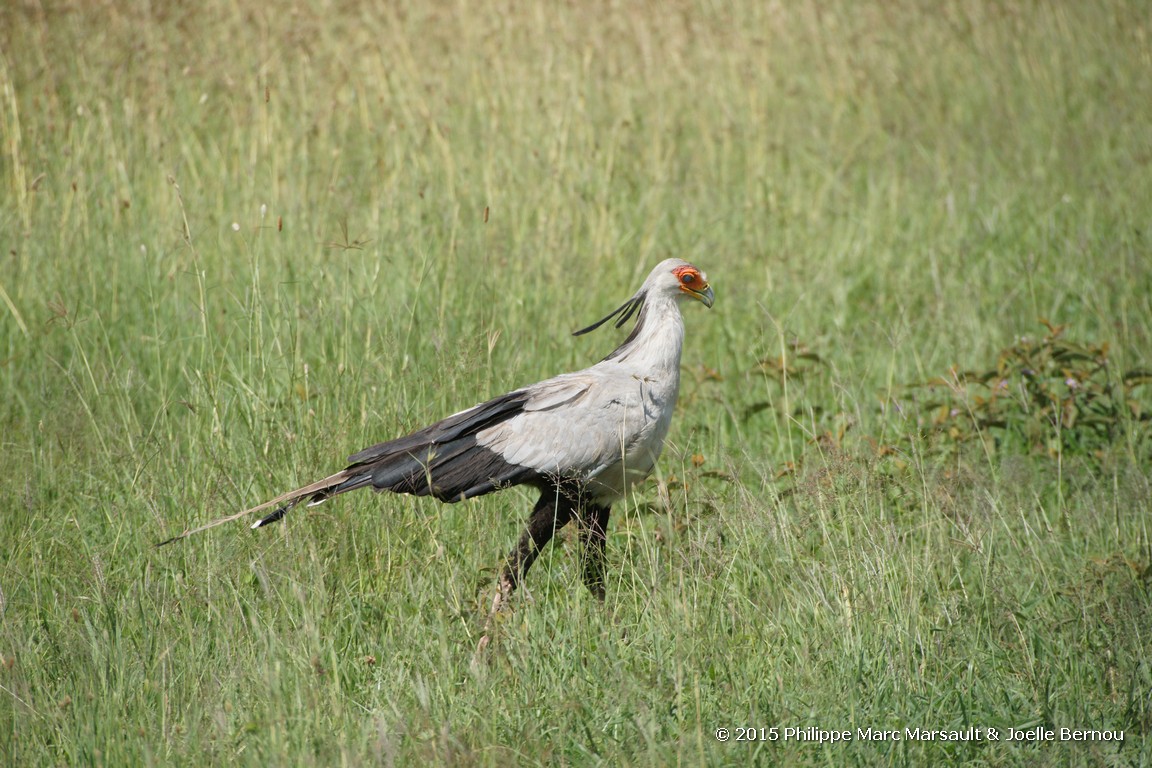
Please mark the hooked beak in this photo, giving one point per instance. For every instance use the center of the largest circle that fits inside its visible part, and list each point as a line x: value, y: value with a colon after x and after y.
x: 705, y: 296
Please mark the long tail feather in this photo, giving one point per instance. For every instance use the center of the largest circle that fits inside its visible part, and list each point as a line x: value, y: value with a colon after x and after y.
x: 287, y: 500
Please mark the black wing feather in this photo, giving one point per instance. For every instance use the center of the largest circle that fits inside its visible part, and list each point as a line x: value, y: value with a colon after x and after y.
x: 442, y: 460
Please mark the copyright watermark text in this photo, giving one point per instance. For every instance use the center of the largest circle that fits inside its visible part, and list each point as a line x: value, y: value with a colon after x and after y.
x: 817, y: 735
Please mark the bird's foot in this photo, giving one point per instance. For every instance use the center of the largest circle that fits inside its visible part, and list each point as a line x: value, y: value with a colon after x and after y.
x: 499, y: 600
x: 481, y: 655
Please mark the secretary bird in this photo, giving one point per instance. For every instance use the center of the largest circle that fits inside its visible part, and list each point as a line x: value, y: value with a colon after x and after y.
x: 582, y: 439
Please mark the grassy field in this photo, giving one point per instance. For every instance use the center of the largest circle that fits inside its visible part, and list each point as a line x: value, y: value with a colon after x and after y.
x: 241, y: 241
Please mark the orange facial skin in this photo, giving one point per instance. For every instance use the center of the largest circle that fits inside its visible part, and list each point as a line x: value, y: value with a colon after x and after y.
x: 692, y: 280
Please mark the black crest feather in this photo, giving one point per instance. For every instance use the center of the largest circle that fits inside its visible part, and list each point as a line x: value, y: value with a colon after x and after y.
x: 625, y: 310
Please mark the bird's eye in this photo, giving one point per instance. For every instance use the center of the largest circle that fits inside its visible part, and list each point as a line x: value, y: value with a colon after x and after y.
x: 687, y: 278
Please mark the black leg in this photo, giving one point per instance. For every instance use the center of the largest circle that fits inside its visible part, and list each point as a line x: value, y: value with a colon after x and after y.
x: 594, y: 533
x: 551, y: 513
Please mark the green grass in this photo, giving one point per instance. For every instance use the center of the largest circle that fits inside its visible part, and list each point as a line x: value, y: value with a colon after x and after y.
x: 241, y: 241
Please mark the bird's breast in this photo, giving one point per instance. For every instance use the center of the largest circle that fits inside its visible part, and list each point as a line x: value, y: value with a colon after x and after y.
x: 644, y: 413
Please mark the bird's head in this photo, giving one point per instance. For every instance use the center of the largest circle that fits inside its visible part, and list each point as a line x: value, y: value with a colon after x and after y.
x: 671, y: 279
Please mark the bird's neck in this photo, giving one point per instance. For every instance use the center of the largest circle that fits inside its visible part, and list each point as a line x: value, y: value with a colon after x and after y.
x: 655, y: 342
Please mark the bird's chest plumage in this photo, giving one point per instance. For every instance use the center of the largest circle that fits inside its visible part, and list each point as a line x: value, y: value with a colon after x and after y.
x: 643, y: 410
x: 649, y: 409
